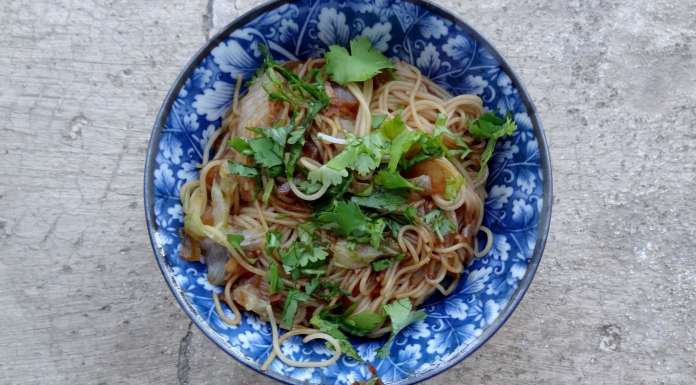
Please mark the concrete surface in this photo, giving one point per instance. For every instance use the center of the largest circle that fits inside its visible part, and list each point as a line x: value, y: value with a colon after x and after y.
x: 82, y: 302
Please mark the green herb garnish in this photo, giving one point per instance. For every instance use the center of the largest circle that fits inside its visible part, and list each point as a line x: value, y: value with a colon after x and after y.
x: 362, y: 63
x: 401, y: 316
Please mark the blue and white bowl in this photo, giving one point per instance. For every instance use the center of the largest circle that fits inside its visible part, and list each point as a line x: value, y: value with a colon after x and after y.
x: 518, y: 207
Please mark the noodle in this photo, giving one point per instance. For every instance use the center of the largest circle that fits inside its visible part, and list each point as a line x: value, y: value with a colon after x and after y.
x: 421, y: 255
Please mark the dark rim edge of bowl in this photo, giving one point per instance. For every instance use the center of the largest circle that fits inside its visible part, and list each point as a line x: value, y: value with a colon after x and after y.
x: 544, y: 219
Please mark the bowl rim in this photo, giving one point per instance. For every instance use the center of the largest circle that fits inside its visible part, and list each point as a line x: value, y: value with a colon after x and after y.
x: 545, y: 160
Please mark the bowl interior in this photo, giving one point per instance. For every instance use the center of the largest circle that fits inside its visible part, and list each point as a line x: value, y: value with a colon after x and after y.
x: 451, y: 54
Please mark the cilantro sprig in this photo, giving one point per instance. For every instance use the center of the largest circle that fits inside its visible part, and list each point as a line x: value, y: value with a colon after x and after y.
x: 439, y: 222
x: 362, y: 63
x: 347, y: 220
x: 401, y: 315
x: 491, y: 128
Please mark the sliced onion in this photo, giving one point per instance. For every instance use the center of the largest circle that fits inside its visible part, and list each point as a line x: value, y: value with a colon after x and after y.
x: 358, y: 257
x: 215, y: 258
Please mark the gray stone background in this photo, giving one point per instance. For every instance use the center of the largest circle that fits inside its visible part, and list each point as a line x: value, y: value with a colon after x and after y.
x: 82, y: 301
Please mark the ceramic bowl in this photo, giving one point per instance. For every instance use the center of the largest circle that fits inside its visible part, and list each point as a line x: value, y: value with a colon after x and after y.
x: 445, y: 48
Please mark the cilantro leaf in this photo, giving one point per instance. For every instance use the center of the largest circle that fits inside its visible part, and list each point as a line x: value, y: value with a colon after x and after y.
x: 487, y: 153
x: 307, y: 187
x: 363, y: 323
x: 328, y: 175
x: 490, y: 127
x: 235, y: 240
x: 267, y: 152
x: 452, y: 187
x: 272, y: 240
x: 362, y: 155
x: 302, y: 258
x: 347, y: 220
x: 401, y: 316
x: 332, y: 329
x: 364, y: 164
x: 273, y: 277
x: 362, y: 63
x: 400, y: 146
x: 291, y: 87
x: 381, y: 265
x: 462, y: 149
x: 391, y: 128
x: 241, y: 170
x: 439, y: 222
x: 392, y: 180
x: 428, y: 147
x: 292, y: 302
x: 268, y: 185
x: 333, y: 172
x: 410, y: 214
x: 296, y: 139
x: 312, y: 286
x: 377, y: 120
x: 386, y: 201
x: 241, y: 145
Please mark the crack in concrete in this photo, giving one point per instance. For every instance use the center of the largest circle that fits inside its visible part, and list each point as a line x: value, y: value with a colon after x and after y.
x: 114, y: 174
x: 208, y: 19
x: 51, y: 229
x: 183, y: 365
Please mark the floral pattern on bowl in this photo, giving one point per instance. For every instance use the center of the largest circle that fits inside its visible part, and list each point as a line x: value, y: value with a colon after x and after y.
x: 454, y: 56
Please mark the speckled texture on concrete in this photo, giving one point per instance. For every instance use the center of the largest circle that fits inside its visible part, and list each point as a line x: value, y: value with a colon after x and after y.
x: 82, y: 302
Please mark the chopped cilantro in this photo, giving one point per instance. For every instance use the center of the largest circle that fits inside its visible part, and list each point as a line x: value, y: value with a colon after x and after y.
x: 362, y: 63
x: 307, y: 187
x: 490, y: 127
x: 302, y: 258
x: 312, y: 286
x: 275, y: 284
x: 292, y: 302
x: 400, y: 146
x: 410, y: 214
x: 240, y: 145
x: 429, y: 147
x: 462, y: 150
x: 268, y: 185
x: 439, y: 222
x: 235, y: 240
x: 299, y: 93
x: 332, y: 329
x: 267, y: 152
x: 272, y: 240
x: 363, y: 323
x: 241, y: 170
x: 296, y: 140
x: 362, y: 155
x: 391, y: 128
x: 327, y: 290
x: 386, y: 201
x: 347, y: 220
x: 401, y: 316
x: 452, y: 187
x: 377, y: 120
x: 381, y: 265
x: 392, y: 180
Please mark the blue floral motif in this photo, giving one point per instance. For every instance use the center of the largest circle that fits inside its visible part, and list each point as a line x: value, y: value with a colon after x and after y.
x: 452, y: 57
